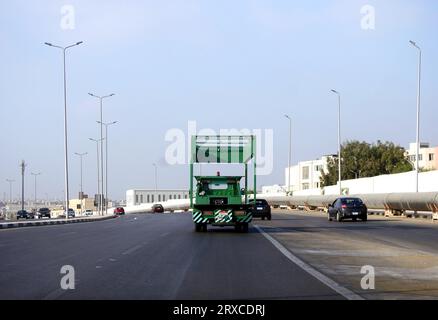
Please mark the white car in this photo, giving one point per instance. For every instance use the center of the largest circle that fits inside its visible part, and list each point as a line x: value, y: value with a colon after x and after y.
x: 88, y: 212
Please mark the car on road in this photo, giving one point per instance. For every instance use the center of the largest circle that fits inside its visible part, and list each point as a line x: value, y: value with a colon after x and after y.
x: 23, y: 214
x: 88, y: 212
x: 71, y: 213
x: 157, y: 208
x: 347, y: 208
x: 262, y: 209
x: 119, y: 211
x: 44, y: 213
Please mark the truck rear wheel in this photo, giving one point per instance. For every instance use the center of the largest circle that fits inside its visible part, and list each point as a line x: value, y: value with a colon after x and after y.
x: 245, y: 228
x: 238, y: 227
x: 198, y: 227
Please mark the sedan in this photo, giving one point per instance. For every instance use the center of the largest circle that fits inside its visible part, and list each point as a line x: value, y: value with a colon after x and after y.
x: 262, y: 209
x: 347, y: 208
x: 157, y: 208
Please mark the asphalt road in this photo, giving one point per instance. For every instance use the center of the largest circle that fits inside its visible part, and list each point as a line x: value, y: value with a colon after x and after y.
x: 149, y: 257
x: 161, y: 257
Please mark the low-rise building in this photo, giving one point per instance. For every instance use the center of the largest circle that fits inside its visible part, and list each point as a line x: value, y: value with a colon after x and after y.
x: 427, y: 156
x: 136, y: 197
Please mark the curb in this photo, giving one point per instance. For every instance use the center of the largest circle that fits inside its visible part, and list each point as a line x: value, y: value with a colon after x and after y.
x: 10, y: 225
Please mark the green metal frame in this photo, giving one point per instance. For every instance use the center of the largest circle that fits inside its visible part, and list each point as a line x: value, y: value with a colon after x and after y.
x: 224, y: 149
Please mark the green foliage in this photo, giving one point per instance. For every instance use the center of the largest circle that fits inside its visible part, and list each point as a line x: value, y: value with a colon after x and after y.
x: 361, y: 160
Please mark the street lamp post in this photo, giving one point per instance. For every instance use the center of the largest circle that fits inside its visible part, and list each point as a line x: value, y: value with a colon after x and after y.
x: 290, y: 151
x: 35, y: 186
x: 417, y: 169
x: 339, y: 140
x: 81, y: 155
x: 99, y: 202
x: 156, y: 183
x: 64, y: 49
x: 106, y: 161
x: 10, y: 189
x: 101, y: 137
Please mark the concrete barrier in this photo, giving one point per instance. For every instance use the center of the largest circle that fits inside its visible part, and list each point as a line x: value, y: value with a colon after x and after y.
x: 42, y: 222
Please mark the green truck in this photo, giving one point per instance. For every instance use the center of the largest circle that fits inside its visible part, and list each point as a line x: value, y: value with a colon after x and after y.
x: 221, y: 200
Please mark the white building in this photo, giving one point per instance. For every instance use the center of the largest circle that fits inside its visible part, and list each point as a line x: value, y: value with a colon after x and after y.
x: 427, y: 157
x: 143, y: 196
x: 307, y: 174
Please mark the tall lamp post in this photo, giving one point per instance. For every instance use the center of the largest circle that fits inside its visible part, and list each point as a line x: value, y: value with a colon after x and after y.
x: 99, y: 202
x: 156, y: 183
x: 101, y: 137
x: 64, y: 49
x: 106, y: 161
x: 35, y: 186
x: 81, y: 155
x: 290, y: 150
x: 417, y: 168
x: 10, y: 189
x: 339, y: 140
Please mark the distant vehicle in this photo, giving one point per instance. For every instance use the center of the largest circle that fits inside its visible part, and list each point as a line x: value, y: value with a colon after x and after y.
x: 347, y: 208
x: 44, y: 213
x: 23, y: 214
x: 119, y: 211
x: 71, y: 213
x: 157, y: 208
x: 262, y: 209
x: 88, y: 212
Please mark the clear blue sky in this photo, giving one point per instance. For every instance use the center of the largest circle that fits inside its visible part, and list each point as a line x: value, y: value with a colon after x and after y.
x: 225, y: 64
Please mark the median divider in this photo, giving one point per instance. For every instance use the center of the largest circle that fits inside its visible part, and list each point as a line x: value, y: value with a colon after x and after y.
x: 42, y: 222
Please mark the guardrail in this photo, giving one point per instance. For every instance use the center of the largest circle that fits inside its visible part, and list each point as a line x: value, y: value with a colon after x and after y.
x: 391, y: 202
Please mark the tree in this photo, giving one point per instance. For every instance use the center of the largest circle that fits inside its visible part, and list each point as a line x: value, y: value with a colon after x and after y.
x: 361, y: 159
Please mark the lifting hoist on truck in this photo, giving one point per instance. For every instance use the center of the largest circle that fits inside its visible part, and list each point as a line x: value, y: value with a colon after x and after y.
x: 220, y: 200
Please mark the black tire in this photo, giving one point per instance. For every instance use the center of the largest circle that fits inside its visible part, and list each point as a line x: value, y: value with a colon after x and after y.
x: 204, y: 227
x: 263, y: 217
x: 198, y: 227
x: 245, y: 228
x: 354, y: 219
x: 329, y: 217
x: 269, y: 217
x: 365, y: 218
x: 238, y: 227
x: 338, y: 217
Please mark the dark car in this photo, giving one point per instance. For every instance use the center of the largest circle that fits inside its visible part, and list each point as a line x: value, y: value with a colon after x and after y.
x: 71, y: 213
x: 23, y: 214
x: 348, y: 208
x: 262, y: 209
x: 157, y: 208
x: 44, y: 213
x: 119, y: 211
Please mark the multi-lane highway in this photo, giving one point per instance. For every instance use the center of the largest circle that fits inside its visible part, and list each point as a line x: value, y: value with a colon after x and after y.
x: 297, y: 255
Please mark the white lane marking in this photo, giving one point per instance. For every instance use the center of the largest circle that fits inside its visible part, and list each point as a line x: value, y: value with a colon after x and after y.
x: 165, y: 234
x: 131, y: 250
x: 346, y: 293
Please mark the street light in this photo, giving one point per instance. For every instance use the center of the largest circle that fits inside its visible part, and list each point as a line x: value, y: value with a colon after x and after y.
x: 290, y: 150
x: 339, y: 140
x: 156, y: 183
x: 81, y: 155
x: 64, y: 49
x: 10, y: 189
x: 99, y: 202
x: 417, y: 169
x: 35, y: 187
x: 106, y: 161
x: 101, y: 134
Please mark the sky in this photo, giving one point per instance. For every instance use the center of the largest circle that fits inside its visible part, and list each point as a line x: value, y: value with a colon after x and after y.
x: 224, y: 64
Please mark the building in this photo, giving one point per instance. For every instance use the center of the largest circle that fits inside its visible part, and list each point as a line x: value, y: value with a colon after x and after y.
x: 137, y: 197
x: 306, y: 174
x: 427, y: 157
x: 80, y: 205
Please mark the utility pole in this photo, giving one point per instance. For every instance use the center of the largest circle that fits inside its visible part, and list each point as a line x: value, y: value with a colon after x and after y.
x: 10, y: 189
x: 23, y: 166
x: 156, y: 182
x: 35, y: 187
x: 339, y: 141
x: 290, y: 151
x: 81, y: 155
